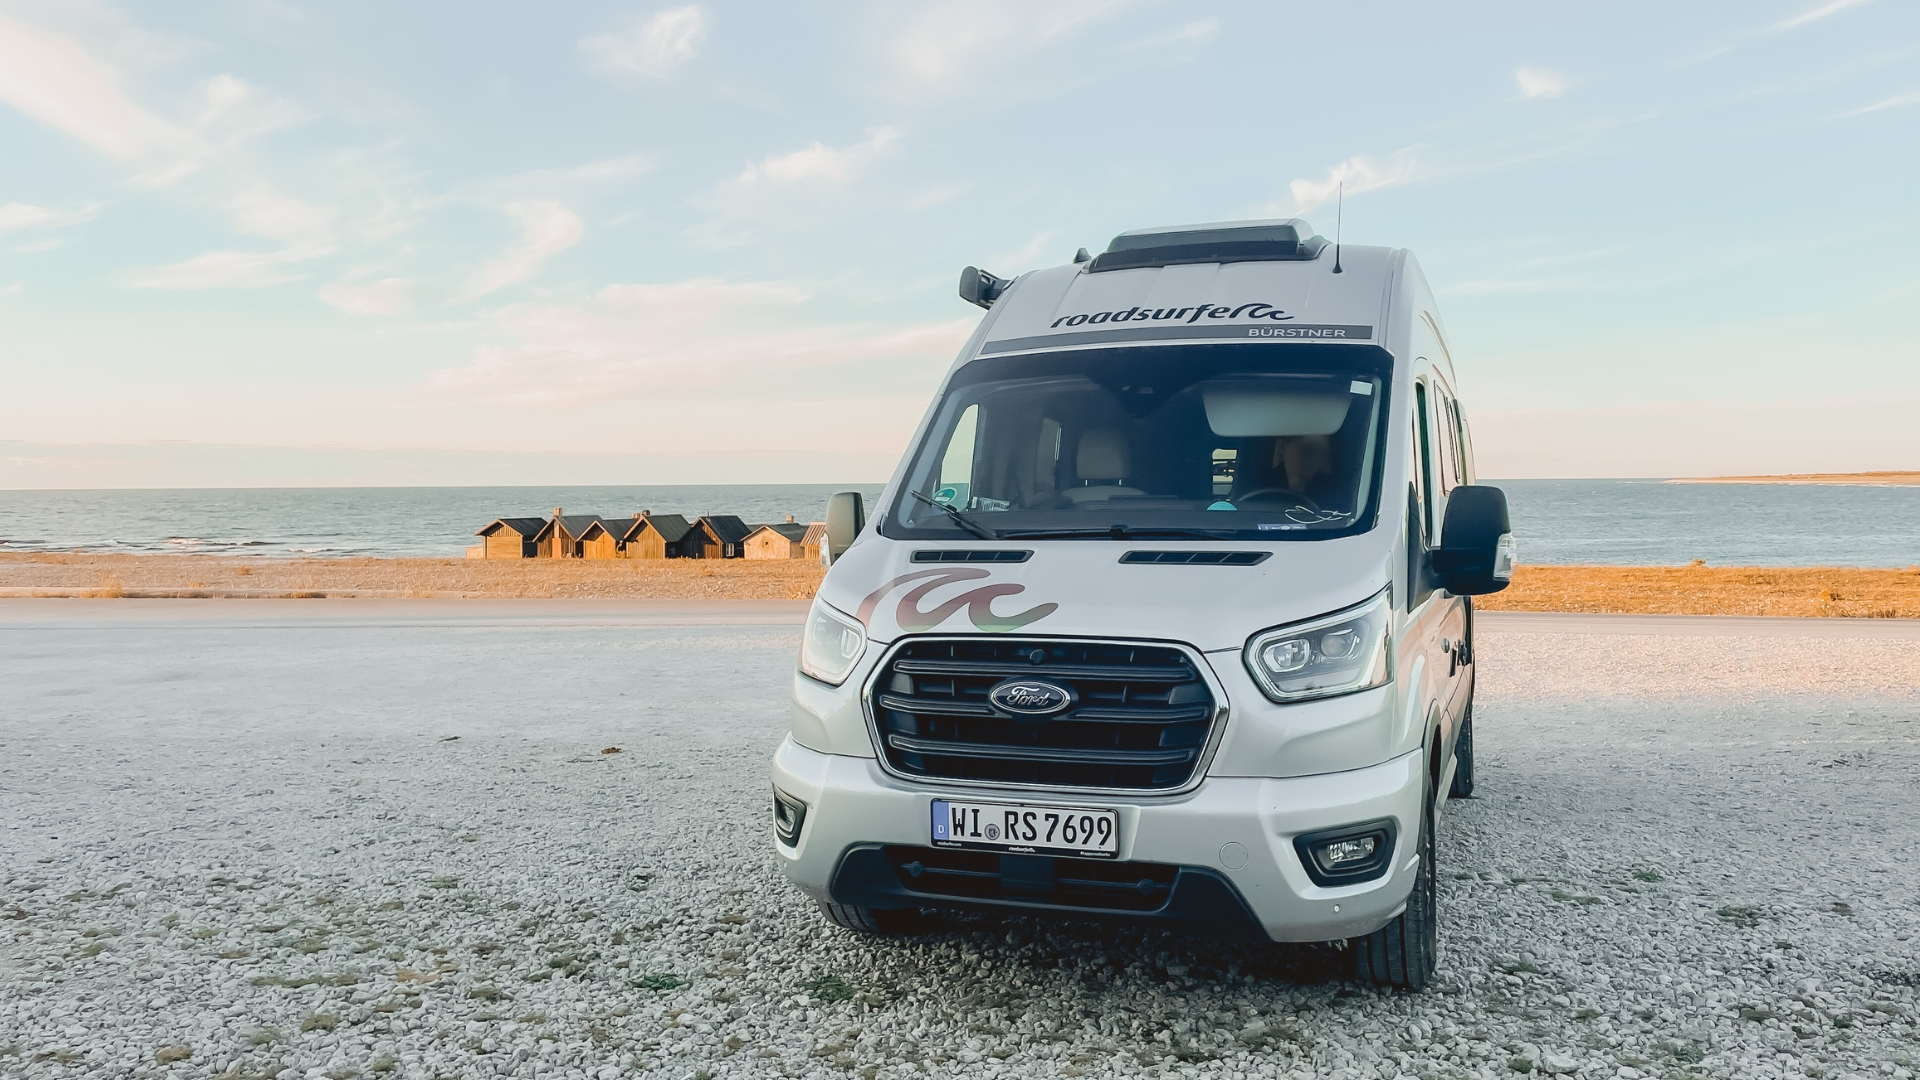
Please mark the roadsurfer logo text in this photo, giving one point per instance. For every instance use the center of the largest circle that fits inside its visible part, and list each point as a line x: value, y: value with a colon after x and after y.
x: 1140, y: 314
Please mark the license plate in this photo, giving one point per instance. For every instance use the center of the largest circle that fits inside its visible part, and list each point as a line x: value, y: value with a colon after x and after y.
x: 1037, y: 830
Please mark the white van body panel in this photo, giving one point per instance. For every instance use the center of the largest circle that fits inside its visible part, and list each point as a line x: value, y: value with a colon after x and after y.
x: 1272, y: 771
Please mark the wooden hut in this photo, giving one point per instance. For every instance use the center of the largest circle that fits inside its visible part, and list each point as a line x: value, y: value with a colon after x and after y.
x: 716, y: 536
x: 656, y: 536
x: 815, y: 541
x: 600, y: 541
x: 559, y: 537
x: 786, y: 540
x: 510, y: 538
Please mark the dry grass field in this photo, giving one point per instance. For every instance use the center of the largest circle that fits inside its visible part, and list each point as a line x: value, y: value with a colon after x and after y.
x: 1699, y: 589
x: 215, y: 576
x: 1872, y: 479
x: 1658, y: 590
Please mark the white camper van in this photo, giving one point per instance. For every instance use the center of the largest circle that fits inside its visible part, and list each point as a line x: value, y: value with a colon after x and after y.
x: 1164, y: 615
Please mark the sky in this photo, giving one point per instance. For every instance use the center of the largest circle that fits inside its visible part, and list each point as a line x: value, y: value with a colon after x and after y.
x: 257, y: 242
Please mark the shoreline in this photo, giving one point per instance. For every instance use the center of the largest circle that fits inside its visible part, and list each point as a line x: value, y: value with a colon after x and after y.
x: 1806, y: 592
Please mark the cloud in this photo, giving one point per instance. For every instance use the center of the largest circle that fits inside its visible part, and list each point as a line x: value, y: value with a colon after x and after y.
x: 549, y: 229
x: 653, y: 48
x: 1540, y: 83
x: 227, y: 270
x: 794, y: 190
x: 1027, y: 254
x: 819, y: 161
x: 388, y: 296
x: 645, y: 342
x: 57, y: 82
x: 258, y: 210
x: 950, y: 41
x: 1359, y: 174
x: 16, y: 215
x: 610, y: 171
x: 235, y: 110
x: 1832, y: 7
x: 1898, y: 101
x: 1193, y: 33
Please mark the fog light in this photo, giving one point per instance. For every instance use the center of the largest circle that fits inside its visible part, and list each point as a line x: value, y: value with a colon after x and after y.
x: 1347, y: 855
x: 789, y: 814
x: 1346, y: 851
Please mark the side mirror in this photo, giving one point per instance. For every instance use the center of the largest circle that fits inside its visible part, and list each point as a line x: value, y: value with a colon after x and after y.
x: 979, y: 288
x: 1476, y: 549
x: 846, y: 516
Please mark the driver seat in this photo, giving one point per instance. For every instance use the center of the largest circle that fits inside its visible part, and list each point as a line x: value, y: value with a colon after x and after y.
x: 1100, y: 463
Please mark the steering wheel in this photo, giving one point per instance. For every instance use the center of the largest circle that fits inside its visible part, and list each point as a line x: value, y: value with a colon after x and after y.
x: 1286, y: 493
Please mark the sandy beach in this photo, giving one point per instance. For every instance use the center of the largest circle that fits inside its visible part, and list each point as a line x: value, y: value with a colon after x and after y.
x: 1649, y: 590
x: 198, y: 576
x: 1876, y: 479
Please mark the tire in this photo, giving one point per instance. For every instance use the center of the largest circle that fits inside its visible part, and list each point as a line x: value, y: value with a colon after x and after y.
x: 1405, y: 952
x: 1463, y: 759
x: 872, y: 922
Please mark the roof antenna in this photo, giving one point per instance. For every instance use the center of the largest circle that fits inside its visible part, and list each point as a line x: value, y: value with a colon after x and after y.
x: 1339, y: 219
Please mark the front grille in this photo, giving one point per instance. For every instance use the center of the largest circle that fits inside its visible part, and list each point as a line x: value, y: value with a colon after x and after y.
x: 1066, y: 882
x: 1140, y: 718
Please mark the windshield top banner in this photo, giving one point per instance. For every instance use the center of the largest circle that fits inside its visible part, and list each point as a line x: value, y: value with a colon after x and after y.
x: 1269, y: 332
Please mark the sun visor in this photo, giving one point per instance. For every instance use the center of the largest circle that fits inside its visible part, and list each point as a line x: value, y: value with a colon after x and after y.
x: 1252, y: 412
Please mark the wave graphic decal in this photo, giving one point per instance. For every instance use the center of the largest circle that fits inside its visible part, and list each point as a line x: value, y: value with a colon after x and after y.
x: 978, y: 602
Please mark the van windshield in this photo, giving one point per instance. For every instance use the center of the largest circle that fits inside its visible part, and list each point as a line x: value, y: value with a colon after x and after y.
x: 1235, y: 442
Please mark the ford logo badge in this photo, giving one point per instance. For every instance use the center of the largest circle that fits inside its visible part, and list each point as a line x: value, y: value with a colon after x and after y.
x: 1030, y: 697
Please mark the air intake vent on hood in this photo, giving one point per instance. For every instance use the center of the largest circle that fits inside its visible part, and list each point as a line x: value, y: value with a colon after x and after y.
x: 1289, y: 240
x: 1198, y: 558
x: 973, y: 555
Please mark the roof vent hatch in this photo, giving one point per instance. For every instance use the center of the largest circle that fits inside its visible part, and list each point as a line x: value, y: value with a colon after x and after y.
x: 1276, y: 240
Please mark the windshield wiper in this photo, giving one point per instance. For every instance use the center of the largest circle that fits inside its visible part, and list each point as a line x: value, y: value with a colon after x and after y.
x: 1118, y: 532
x: 959, y: 518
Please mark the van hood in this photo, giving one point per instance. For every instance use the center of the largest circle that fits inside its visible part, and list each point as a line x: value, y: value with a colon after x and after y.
x: 1080, y: 588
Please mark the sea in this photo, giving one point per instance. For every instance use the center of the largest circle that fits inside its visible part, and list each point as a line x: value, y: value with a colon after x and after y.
x: 1612, y: 522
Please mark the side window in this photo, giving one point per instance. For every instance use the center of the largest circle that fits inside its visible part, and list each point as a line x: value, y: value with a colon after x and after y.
x: 1423, y: 443
x: 956, y: 466
x: 1468, y: 474
x: 1447, y: 446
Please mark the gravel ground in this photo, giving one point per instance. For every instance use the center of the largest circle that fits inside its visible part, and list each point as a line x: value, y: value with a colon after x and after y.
x: 248, y: 839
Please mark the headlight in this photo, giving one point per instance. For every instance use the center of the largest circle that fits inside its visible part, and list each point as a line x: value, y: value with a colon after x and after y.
x: 1334, y: 654
x: 832, y: 646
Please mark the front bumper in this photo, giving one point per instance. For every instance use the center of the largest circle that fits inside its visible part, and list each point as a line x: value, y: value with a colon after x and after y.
x: 1234, y: 831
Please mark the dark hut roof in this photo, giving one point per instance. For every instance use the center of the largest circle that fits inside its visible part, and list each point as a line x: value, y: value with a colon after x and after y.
x: 792, y: 530
x: 671, y: 527
x: 575, y: 525
x: 589, y: 532
x: 728, y: 528
x: 523, y: 526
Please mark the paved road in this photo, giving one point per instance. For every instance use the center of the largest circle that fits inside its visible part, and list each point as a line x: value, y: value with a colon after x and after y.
x: 344, y: 835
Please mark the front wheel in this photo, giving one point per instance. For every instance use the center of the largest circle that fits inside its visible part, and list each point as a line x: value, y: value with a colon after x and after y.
x: 1405, y: 952
x: 1463, y: 759
x: 873, y: 922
